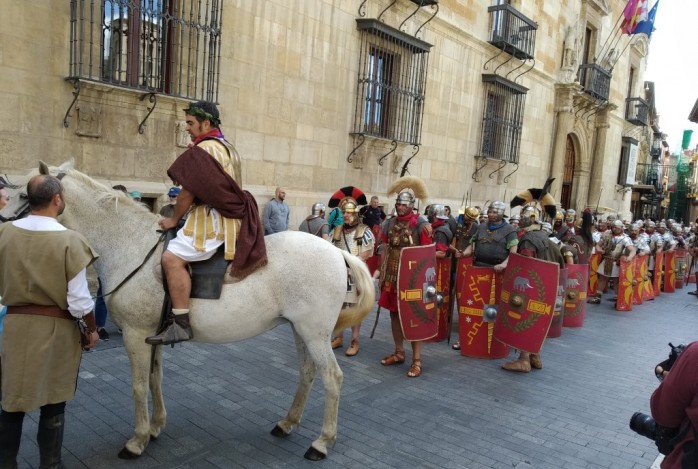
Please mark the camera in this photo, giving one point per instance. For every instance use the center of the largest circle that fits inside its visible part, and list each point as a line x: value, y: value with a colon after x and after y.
x: 664, y: 437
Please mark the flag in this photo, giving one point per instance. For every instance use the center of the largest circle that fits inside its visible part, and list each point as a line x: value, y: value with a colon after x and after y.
x: 634, y: 12
x: 647, y: 26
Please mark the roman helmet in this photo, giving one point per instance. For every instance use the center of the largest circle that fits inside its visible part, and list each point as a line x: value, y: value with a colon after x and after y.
x: 408, y: 189
x: 318, y: 210
x: 617, y: 227
x: 348, y: 199
x: 436, y: 212
x: 529, y: 215
x: 470, y: 213
x: 570, y: 215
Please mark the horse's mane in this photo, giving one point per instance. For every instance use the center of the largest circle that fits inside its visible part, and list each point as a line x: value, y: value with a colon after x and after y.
x: 105, y: 193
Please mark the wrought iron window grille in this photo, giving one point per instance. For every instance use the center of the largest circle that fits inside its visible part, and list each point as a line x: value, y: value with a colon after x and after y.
x: 502, y: 119
x: 155, y: 46
x: 512, y: 32
x: 595, y: 80
x: 636, y: 111
x: 391, y: 85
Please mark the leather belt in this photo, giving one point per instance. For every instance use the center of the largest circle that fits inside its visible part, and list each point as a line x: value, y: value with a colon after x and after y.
x: 40, y: 310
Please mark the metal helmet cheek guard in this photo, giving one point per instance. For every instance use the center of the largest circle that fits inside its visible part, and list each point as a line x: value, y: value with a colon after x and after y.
x: 406, y: 198
x: 499, y: 207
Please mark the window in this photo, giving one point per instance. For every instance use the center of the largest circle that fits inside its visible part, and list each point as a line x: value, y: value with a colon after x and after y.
x: 377, y: 109
x: 391, y: 83
x: 165, y: 46
x: 628, y: 162
x: 502, y: 119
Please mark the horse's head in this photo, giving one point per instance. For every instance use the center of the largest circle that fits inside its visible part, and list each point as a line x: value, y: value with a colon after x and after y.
x: 97, y: 211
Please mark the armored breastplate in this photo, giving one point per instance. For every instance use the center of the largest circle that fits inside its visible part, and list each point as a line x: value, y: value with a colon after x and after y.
x: 400, y: 235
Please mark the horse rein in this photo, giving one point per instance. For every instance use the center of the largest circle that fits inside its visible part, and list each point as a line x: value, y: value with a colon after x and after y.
x: 134, y: 271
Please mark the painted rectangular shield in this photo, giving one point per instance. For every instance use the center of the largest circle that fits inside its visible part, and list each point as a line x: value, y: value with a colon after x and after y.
x: 416, y: 308
x: 558, y: 312
x: 526, y: 303
x: 669, y: 271
x: 443, y: 285
x: 625, y: 284
x: 658, y: 273
x: 638, y: 262
x: 576, y: 295
x: 477, y: 287
x: 680, y: 268
x: 594, y: 262
x: 647, y: 291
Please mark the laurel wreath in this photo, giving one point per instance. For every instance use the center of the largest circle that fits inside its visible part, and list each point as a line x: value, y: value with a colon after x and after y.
x: 532, y: 319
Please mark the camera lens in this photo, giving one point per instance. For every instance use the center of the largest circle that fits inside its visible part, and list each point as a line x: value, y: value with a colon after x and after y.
x: 644, y: 425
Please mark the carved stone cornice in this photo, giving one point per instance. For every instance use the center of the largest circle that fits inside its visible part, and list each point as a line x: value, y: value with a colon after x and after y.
x: 601, y: 6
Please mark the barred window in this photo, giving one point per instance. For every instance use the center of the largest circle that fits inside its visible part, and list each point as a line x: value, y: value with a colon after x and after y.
x: 165, y: 46
x: 391, y: 83
x: 502, y: 119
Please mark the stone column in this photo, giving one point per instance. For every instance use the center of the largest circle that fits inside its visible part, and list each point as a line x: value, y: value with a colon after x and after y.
x: 597, y: 157
x: 564, y: 124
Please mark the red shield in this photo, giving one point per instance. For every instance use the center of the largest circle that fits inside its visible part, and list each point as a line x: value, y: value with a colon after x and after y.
x: 526, y: 303
x: 594, y: 262
x: 443, y: 285
x: 647, y: 292
x: 625, y: 285
x: 669, y: 271
x: 638, y: 262
x: 658, y: 273
x: 477, y: 287
x: 680, y: 268
x: 558, y: 312
x: 416, y: 308
x: 576, y: 295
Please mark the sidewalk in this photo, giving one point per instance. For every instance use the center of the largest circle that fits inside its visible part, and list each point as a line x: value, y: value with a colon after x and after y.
x: 223, y: 400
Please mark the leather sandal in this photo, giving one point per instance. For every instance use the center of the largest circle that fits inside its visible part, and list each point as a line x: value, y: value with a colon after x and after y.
x: 415, y: 369
x: 394, y: 359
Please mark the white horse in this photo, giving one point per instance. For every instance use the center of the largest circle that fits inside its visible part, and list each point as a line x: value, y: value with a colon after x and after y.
x: 304, y: 283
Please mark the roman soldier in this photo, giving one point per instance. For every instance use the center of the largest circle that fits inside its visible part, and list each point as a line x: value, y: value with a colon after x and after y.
x: 354, y: 237
x: 315, y: 223
x: 613, y: 245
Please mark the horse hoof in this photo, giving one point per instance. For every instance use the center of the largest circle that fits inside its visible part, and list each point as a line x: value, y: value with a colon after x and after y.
x: 278, y: 432
x: 153, y: 437
x: 314, y: 455
x: 126, y: 453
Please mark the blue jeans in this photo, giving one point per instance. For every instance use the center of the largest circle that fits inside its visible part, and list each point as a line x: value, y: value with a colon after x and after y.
x: 100, y: 307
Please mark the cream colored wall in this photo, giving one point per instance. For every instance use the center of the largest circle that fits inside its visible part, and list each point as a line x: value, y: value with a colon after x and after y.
x: 287, y: 99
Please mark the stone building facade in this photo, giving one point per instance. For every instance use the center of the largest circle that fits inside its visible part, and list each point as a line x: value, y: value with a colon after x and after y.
x: 480, y: 99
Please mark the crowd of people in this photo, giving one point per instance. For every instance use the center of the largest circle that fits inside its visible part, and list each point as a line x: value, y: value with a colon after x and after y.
x: 204, y: 209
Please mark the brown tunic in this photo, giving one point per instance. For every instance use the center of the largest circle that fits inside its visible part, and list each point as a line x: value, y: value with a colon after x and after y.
x: 41, y: 355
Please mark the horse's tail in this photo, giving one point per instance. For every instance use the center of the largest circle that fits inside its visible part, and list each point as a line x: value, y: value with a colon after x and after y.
x: 354, y: 314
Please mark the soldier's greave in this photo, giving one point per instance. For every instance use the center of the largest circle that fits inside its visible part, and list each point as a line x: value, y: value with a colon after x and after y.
x: 10, y: 437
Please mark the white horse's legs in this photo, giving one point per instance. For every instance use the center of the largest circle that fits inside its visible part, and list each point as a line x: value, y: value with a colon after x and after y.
x: 308, y: 371
x: 139, y: 356
x: 315, y: 355
x: 159, y: 418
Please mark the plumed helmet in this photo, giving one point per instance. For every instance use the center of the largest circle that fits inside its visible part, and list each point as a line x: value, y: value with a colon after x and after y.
x: 350, y: 192
x: 437, y: 211
x: 497, y: 206
x: 405, y: 197
x: 471, y: 213
x: 318, y: 209
x: 349, y: 205
x: 408, y: 189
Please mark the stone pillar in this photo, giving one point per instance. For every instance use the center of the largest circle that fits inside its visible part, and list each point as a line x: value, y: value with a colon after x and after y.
x: 564, y: 124
x: 597, y: 157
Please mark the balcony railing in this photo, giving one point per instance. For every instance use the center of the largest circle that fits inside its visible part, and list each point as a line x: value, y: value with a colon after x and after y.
x: 512, y: 32
x: 651, y: 174
x: 636, y: 110
x: 596, y: 81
